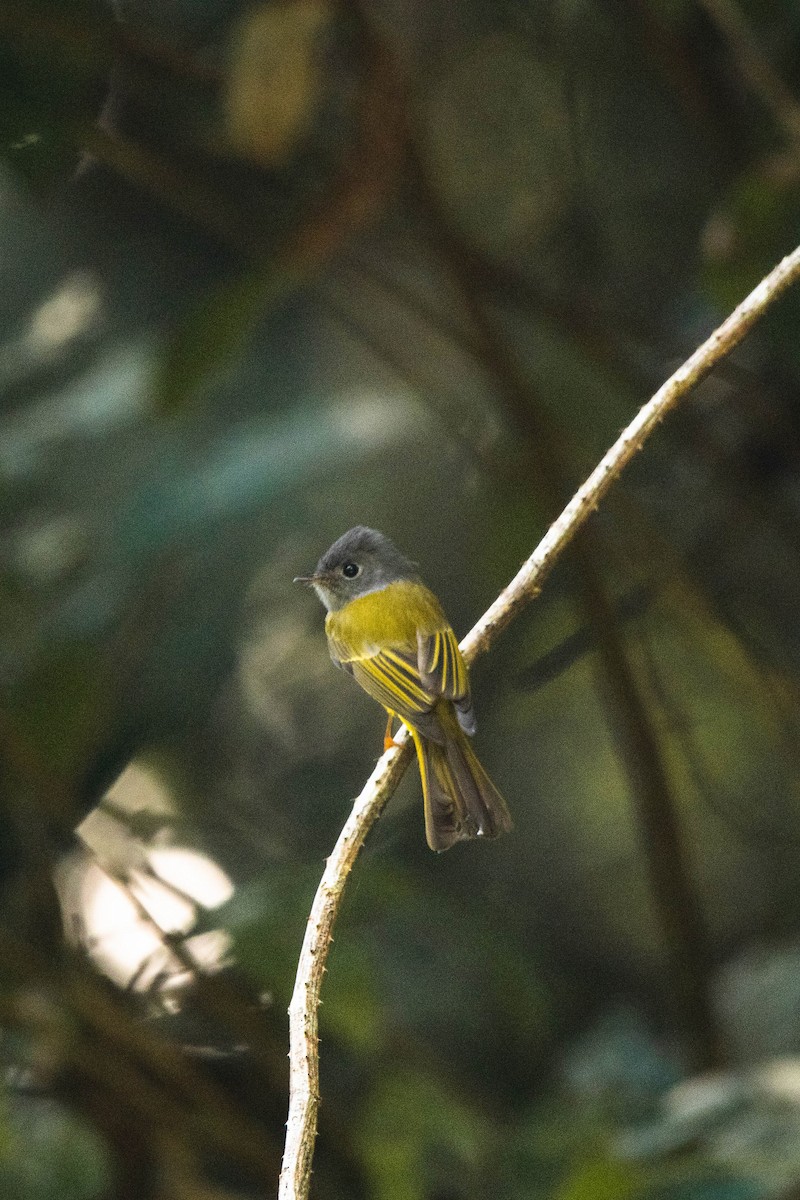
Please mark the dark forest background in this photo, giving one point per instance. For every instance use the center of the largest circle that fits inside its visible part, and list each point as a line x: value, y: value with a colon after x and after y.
x: 270, y: 270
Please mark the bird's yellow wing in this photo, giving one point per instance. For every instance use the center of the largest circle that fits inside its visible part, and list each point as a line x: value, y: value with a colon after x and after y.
x: 402, y: 651
x: 444, y: 672
x: 441, y: 664
x: 392, y: 678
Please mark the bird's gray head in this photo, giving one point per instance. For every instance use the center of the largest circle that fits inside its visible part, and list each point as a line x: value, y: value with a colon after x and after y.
x: 360, y: 561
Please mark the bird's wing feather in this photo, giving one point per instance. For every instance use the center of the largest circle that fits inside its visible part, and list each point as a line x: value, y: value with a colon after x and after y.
x: 441, y: 664
x: 405, y: 655
x: 444, y: 672
x: 392, y: 678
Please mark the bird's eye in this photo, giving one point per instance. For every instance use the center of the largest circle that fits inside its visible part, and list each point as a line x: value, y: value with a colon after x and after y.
x: 350, y: 570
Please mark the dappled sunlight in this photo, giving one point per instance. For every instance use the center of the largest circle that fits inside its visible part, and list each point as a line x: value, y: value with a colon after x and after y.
x: 126, y: 927
x: 126, y: 899
x: 276, y: 269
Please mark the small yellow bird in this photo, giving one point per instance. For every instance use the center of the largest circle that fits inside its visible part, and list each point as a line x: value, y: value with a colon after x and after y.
x: 389, y: 632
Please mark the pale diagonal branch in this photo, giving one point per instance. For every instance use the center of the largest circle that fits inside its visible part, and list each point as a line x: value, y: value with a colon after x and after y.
x: 303, y: 1010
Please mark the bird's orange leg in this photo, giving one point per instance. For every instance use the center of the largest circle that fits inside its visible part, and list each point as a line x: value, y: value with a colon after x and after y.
x: 388, y: 740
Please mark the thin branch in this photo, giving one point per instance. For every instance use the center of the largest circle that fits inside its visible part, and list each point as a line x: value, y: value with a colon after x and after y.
x: 675, y: 896
x: 303, y: 1010
x: 528, y: 580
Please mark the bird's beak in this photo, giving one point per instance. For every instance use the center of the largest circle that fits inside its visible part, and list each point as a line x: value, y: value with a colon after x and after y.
x: 308, y: 580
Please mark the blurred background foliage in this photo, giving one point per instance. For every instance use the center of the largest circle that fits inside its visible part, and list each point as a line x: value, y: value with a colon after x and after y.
x: 273, y: 269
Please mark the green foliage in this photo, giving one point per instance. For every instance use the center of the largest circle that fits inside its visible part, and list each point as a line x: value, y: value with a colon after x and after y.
x: 209, y: 336
x: 558, y: 1150
x: 713, y: 1187
x: 574, y: 192
x: 266, y: 919
x: 46, y: 1153
x: 756, y: 225
x: 504, y: 190
x: 414, y: 1133
x: 600, y: 1179
x: 61, y: 710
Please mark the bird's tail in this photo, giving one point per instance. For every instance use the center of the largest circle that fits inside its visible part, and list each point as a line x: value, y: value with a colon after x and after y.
x: 460, y: 799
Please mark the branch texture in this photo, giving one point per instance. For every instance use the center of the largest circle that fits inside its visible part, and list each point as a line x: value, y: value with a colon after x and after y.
x: 303, y: 1009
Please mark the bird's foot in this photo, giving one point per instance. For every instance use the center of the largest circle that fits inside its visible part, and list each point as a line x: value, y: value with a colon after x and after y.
x: 388, y: 740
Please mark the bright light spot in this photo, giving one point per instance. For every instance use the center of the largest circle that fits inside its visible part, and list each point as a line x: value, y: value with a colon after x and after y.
x: 192, y: 874
x: 170, y: 911
x: 781, y: 1078
x: 118, y: 939
x: 122, y: 926
x: 27, y: 139
x: 139, y: 789
x: 209, y: 950
x: 131, y: 893
x: 65, y: 315
x: 374, y: 421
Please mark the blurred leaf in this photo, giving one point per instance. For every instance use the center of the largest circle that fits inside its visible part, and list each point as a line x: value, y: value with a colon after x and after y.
x: 266, y: 919
x: 420, y: 938
x: 415, y: 1134
x: 588, y: 403
x: 208, y: 337
x: 620, y: 1067
x: 48, y: 1154
x: 59, y: 714
x: 758, y: 994
x: 496, y: 144
x: 274, y: 86
x: 600, y: 1179
x: 752, y: 228
x: 729, y: 729
x: 702, y: 1186
x: 351, y: 1010
x: 550, y: 1147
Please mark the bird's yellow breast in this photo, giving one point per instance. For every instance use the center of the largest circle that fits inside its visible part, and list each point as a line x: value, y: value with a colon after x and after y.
x: 391, y: 617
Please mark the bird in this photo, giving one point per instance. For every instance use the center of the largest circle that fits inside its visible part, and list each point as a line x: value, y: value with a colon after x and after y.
x: 388, y: 631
